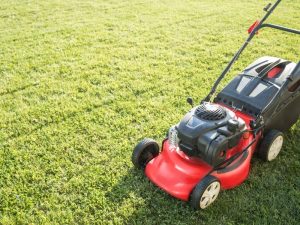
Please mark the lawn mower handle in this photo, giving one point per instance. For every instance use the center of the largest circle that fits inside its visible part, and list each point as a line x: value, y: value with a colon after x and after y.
x: 260, y: 24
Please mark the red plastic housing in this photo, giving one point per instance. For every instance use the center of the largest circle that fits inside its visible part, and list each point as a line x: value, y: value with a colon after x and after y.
x: 178, y: 174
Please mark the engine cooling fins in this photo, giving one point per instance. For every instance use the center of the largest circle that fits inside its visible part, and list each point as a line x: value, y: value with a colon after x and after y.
x: 211, y: 112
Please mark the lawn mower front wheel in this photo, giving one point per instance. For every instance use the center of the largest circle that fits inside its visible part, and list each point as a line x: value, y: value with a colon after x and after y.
x: 144, y: 151
x: 205, y: 192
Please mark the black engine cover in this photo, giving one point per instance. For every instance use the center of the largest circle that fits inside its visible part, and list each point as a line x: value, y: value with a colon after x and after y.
x: 207, y: 131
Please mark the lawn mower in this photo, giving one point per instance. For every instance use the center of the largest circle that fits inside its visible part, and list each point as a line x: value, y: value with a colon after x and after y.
x: 210, y: 149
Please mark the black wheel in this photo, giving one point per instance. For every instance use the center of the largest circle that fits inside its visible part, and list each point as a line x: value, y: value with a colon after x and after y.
x: 271, y: 145
x: 205, y: 192
x: 143, y: 152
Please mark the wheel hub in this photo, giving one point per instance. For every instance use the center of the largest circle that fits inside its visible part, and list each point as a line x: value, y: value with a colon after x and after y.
x: 275, y: 148
x: 210, y: 194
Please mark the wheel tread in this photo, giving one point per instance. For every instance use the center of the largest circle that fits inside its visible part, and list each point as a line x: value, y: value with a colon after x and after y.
x: 199, y: 189
x: 140, y: 147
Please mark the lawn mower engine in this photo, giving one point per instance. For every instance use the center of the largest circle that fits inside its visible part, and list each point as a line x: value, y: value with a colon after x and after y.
x: 207, y: 132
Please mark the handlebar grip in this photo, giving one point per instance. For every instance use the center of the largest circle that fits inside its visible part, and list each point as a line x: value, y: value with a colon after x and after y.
x: 267, y: 7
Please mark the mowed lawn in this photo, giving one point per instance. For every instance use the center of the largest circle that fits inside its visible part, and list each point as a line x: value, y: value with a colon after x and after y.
x: 83, y: 81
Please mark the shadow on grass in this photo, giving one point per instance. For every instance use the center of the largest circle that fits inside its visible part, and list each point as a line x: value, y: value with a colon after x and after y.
x: 39, y: 127
x: 151, y: 204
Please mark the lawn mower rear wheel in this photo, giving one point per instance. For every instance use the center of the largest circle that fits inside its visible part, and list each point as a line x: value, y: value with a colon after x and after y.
x: 271, y: 145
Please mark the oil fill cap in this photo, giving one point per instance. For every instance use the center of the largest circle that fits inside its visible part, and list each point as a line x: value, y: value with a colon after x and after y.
x: 233, y: 125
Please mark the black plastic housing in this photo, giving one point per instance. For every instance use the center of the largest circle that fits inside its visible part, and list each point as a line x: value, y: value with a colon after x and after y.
x: 275, y: 99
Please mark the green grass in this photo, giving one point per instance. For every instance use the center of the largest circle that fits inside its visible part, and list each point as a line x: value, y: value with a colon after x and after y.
x: 83, y: 81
